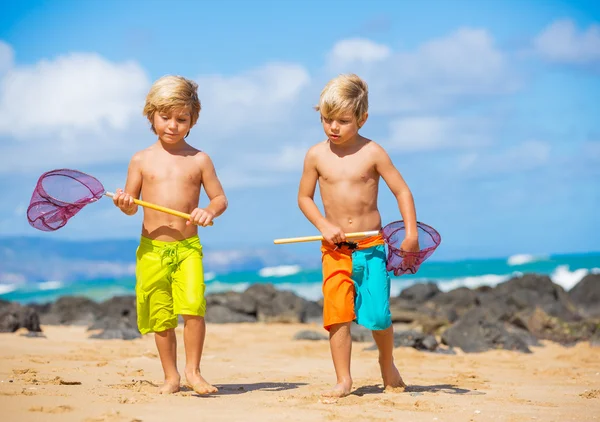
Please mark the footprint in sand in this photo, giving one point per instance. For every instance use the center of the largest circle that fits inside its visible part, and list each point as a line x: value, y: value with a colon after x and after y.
x: 58, y: 409
x: 591, y: 394
x: 113, y: 416
x: 140, y: 385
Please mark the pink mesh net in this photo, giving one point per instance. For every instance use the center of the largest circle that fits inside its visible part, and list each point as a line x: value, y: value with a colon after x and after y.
x: 59, y: 195
x: 402, y: 262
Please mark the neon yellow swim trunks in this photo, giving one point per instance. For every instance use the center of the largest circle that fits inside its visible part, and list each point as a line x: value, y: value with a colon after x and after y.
x: 170, y: 282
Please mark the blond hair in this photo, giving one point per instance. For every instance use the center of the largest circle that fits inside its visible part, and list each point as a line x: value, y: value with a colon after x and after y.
x: 170, y: 93
x: 345, y: 93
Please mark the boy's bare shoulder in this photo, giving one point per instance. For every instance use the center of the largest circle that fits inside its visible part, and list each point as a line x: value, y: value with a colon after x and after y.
x: 142, y: 155
x: 201, y: 157
x: 317, y: 149
x: 373, y: 149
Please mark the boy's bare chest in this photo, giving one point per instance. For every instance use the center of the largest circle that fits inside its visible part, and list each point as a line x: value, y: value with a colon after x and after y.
x: 175, y: 172
x: 346, y: 169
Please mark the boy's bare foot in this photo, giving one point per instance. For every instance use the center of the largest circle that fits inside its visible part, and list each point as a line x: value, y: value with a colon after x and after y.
x: 392, y: 381
x: 197, y: 383
x: 341, y: 389
x: 170, y: 386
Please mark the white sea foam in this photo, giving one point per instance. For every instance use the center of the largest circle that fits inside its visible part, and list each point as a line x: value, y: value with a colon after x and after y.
x: 521, y: 259
x: 50, y: 285
x: 568, y: 279
x: 7, y: 288
x: 473, y: 282
x: 209, y: 276
x: 280, y: 271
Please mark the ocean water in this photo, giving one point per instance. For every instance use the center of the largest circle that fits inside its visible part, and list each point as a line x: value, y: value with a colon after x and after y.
x: 565, y: 270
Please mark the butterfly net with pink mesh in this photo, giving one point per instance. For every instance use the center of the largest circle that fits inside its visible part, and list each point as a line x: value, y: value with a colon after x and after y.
x: 403, y: 262
x: 59, y: 195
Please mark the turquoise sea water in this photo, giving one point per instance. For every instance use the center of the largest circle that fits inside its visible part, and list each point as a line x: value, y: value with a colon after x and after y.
x: 565, y: 270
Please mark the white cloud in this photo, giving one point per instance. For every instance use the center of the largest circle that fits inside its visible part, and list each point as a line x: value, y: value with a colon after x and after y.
x: 357, y: 50
x: 73, y: 93
x: 440, y: 73
x: 7, y: 57
x: 526, y: 156
x: 561, y: 42
x: 252, y: 100
x: 425, y: 133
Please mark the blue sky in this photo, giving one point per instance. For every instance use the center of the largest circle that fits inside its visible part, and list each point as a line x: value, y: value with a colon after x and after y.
x: 490, y: 112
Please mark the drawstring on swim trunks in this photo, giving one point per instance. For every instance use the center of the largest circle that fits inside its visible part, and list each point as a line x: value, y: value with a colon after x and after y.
x: 350, y: 245
x: 171, y: 255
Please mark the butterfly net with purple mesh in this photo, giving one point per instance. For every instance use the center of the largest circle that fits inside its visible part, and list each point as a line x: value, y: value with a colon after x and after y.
x: 403, y: 262
x: 59, y: 195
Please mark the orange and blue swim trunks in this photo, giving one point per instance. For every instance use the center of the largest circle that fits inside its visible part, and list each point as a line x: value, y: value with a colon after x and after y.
x: 356, y: 284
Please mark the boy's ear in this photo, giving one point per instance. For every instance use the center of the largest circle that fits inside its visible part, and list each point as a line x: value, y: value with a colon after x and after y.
x: 363, y: 120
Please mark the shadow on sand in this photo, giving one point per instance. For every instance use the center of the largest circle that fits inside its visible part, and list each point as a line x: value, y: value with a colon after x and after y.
x: 418, y: 390
x: 230, y: 389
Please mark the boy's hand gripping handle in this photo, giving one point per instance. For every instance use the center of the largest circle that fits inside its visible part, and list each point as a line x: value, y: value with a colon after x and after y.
x: 157, y: 208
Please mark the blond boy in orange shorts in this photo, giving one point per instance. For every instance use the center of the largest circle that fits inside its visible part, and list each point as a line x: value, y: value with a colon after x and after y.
x: 356, y: 285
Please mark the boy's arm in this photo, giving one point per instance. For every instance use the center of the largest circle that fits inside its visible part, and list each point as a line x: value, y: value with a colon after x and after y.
x: 401, y: 191
x: 215, y: 193
x: 306, y: 202
x: 133, y: 186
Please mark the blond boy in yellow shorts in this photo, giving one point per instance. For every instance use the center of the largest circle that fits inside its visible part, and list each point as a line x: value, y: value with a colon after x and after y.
x: 169, y: 270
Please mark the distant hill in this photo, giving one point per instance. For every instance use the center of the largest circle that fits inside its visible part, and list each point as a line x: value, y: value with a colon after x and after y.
x: 24, y: 259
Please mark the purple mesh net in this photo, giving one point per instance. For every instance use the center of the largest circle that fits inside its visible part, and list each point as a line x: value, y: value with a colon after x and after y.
x: 404, y: 262
x: 59, y: 195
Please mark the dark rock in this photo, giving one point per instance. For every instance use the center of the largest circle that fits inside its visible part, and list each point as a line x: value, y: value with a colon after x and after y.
x: 260, y: 293
x: 420, y: 292
x: 476, y: 331
x: 274, y: 305
x: 530, y: 291
x: 30, y: 319
x: 407, y: 312
x: 14, y: 316
x: 71, y: 310
x: 586, y: 295
x: 9, y: 321
x: 546, y: 327
x: 117, y: 318
x: 115, y: 329
x: 245, y: 304
x: 220, y: 314
x: 313, y: 313
x: 310, y: 335
x: 419, y: 341
x: 360, y: 334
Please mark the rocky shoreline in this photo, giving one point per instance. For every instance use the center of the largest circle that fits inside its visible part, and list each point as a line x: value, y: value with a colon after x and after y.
x: 514, y: 315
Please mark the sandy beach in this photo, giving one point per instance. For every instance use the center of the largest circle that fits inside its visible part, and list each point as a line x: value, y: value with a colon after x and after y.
x: 264, y: 374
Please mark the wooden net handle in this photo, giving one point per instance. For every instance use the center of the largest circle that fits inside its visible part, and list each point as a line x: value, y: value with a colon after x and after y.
x: 157, y: 208
x: 316, y: 238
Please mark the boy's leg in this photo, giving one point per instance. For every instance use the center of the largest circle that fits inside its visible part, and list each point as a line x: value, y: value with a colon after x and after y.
x: 189, y: 301
x: 340, y: 342
x: 194, y: 332
x: 155, y: 308
x: 372, y: 308
x: 166, y: 343
x: 392, y: 381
